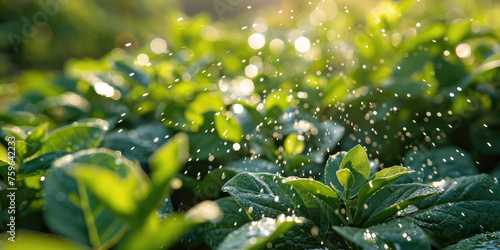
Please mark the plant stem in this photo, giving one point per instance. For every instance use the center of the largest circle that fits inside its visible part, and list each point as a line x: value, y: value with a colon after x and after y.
x: 343, y: 219
x: 350, y: 219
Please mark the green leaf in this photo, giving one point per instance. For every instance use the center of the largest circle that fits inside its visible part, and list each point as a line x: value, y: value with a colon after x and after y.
x: 293, y: 145
x: 357, y: 162
x: 85, y: 203
x: 210, y: 186
x: 35, y: 240
x: 258, y: 234
x: 479, y: 241
x: 41, y: 163
x: 165, y: 163
x: 234, y: 216
x: 21, y: 149
x: 120, y: 193
x: 329, y: 135
x: 266, y: 195
x: 169, y: 159
x: 485, y: 140
x: 393, y: 198
x: 317, y: 189
x: 438, y: 163
x: 469, y: 205
x: 331, y: 168
x: 36, y: 138
x: 166, y: 208
x: 379, y: 180
x: 139, y: 143
x: 82, y: 135
x: 158, y: 234
x: 228, y: 128
x: 138, y: 75
x: 345, y: 178
x: 256, y: 165
x: 395, y: 234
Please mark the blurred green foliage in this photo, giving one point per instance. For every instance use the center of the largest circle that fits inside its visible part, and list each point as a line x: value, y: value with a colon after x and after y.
x: 276, y: 90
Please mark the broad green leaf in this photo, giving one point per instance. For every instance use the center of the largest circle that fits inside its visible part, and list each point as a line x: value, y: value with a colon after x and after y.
x: 469, y: 205
x: 35, y: 240
x: 438, y: 163
x: 379, y: 180
x: 393, y: 198
x: 266, y: 195
x: 258, y: 234
x: 83, y: 135
x: 36, y: 138
x: 331, y: 168
x: 233, y: 217
x: 317, y: 189
x: 138, y: 143
x: 357, y: 162
x: 228, y: 128
x: 395, y: 234
x: 68, y: 199
x: 204, y: 145
x: 210, y: 186
x: 41, y: 163
x: 345, y: 178
x: 256, y: 165
x: 293, y: 145
x: 479, y: 241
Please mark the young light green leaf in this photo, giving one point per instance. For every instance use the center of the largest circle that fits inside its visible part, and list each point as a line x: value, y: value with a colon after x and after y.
x: 83, y: 135
x: 168, y: 159
x: 345, y: 178
x: 257, y: 234
x: 36, y: 138
x: 156, y: 234
x: 35, y: 240
x: 266, y: 195
x: 393, y: 198
x: 119, y: 193
x: 228, y: 128
x: 469, y: 205
x: 357, y: 162
x: 293, y: 145
x: 395, y: 234
x: 331, y: 168
x: 317, y: 189
x: 379, y: 180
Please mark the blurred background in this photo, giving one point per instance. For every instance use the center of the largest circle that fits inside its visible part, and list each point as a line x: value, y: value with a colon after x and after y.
x: 335, y: 48
x: 43, y: 34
